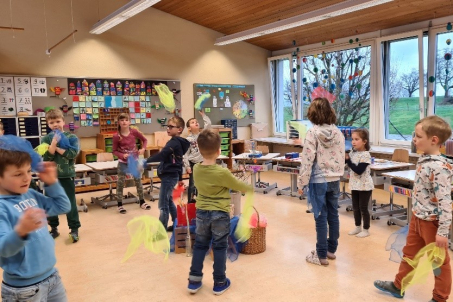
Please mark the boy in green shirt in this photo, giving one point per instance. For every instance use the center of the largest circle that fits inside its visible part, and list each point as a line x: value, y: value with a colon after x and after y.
x: 64, y: 158
x: 213, y: 213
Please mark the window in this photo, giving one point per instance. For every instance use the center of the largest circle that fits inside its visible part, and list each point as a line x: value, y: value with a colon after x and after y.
x: 281, y: 83
x: 401, y: 81
x: 444, y: 77
x: 345, y: 75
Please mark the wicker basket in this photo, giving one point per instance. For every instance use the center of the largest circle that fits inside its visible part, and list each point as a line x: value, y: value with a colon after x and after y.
x: 257, y: 242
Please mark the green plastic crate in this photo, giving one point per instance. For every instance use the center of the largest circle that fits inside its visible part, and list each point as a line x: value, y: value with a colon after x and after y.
x: 225, y: 140
x: 225, y: 153
x: 91, y: 158
x: 224, y: 134
x: 109, y: 141
x: 108, y: 148
x: 225, y: 147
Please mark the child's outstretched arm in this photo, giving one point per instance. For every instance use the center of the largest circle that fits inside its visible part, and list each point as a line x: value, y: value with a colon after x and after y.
x: 161, y: 156
x: 442, y: 191
x: 235, y: 184
x: 206, y: 120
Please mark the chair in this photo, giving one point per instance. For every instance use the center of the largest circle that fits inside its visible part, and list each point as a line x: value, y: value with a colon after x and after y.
x: 102, y: 157
x: 400, y: 155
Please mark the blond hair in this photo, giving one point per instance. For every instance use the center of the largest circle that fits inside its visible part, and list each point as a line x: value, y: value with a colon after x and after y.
x: 54, y: 114
x: 435, y: 126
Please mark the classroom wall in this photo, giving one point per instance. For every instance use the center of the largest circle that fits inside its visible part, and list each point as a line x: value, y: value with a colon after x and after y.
x: 152, y: 44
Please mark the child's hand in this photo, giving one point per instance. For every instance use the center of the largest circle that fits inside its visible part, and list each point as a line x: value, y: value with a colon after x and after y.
x: 441, y: 241
x: 346, y: 156
x: 141, y: 151
x: 201, y: 113
x: 180, y: 183
x: 33, y: 219
x: 125, y: 156
x: 54, y: 141
x: 48, y: 175
x: 189, y: 170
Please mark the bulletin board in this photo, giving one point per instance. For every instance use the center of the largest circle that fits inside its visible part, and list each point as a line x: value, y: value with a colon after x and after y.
x: 226, y: 101
x: 47, y: 96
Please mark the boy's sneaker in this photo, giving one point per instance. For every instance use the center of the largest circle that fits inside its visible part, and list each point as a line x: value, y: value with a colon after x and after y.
x: 194, y: 286
x: 363, y: 234
x: 74, y: 236
x: 388, y: 287
x: 54, y: 233
x: 220, y: 288
x: 357, y: 230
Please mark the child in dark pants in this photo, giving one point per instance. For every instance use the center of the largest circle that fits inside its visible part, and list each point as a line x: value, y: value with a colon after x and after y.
x: 213, y: 213
x: 170, y: 169
x: 431, y: 207
x: 65, y: 160
x: 360, y: 181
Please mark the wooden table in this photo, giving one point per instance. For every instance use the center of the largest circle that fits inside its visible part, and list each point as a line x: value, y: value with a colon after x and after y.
x: 109, y: 200
x: 256, y: 166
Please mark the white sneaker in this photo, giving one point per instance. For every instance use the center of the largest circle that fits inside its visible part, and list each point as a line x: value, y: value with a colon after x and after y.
x: 363, y: 234
x: 355, y: 231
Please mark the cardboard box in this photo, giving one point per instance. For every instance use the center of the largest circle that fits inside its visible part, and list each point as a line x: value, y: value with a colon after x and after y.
x: 259, y: 130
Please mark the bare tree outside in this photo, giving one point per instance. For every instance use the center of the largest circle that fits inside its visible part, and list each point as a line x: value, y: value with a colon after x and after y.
x: 444, y: 76
x: 410, y: 82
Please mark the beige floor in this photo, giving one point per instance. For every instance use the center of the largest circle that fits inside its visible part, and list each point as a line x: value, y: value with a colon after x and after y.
x: 91, y: 269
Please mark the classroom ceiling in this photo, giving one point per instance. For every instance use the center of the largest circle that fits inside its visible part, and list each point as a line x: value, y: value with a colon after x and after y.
x: 232, y: 16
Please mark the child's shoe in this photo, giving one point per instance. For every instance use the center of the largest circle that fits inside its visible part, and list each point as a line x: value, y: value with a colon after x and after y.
x: 194, y: 286
x: 314, y: 259
x: 363, y: 234
x: 388, y: 287
x: 220, y: 288
x: 74, y: 236
x: 54, y: 232
x: 355, y: 231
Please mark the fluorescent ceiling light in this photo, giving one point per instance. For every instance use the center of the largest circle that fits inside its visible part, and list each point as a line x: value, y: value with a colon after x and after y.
x: 123, y: 13
x: 307, y: 18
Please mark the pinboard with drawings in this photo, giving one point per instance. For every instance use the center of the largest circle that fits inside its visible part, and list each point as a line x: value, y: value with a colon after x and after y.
x: 225, y: 101
x: 146, y: 111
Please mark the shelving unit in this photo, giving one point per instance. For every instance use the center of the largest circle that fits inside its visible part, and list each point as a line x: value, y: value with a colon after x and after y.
x: 9, y: 125
x: 107, y: 119
x: 226, y: 144
x: 88, y: 155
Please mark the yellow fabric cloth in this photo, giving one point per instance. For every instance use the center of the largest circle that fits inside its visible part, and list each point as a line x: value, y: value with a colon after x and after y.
x: 243, y: 229
x: 434, y: 259
x: 166, y: 97
x: 150, y: 232
x: 42, y: 149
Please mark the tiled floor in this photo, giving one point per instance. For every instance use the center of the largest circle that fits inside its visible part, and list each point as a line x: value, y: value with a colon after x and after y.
x: 92, y: 269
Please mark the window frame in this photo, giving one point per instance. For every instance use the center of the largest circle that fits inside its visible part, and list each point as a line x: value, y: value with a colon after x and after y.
x: 382, y: 140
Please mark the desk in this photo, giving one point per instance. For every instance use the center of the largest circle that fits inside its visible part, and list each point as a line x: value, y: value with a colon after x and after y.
x: 101, y: 169
x: 292, y: 167
x: 256, y: 166
x: 82, y: 181
x: 279, y: 144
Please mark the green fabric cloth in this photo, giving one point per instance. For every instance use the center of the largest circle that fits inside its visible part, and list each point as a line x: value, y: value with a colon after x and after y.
x: 65, y: 163
x: 213, y: 184
x: 73, y: 215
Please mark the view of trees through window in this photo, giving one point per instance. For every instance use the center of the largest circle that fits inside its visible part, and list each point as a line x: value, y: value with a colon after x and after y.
x: 345, y: 75
x: 444, y: 77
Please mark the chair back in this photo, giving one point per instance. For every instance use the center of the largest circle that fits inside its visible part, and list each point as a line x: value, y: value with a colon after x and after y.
x: 101, y: 157
x: 400, y: 155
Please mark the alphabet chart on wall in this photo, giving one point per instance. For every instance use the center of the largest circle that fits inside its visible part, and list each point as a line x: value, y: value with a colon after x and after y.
x: 7, y: 99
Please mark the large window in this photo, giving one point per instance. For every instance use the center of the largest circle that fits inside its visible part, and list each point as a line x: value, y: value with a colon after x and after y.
x: 444, y: 77
x: 344, y: 76
x: 281, y: 84
x: 401, y: 87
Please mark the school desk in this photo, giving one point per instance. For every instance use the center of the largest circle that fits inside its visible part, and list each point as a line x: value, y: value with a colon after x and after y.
x: 82, y: 179
x: 291, y: 167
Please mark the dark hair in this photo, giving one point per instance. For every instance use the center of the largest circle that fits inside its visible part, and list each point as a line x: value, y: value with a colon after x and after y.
x: 13, y: 158
x: 179, y: 122
x: 320, y: 112
x: 188, y: 122
x: 364, y: 135
x: 436, y: 126
x: 208, y: 143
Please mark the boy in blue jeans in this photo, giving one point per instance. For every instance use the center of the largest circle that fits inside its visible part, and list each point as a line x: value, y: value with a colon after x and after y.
x: 213, y: 213
x: 170, y: 168
x: 27, y: 250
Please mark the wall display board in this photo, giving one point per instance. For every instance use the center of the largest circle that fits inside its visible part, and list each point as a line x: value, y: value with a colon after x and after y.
x: 225, y: 102
x: 81, y: 103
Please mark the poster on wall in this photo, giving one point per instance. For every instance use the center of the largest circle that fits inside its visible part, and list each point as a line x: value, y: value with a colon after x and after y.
x: 38, y: 87
x: 24, y: 104
x: 22, y: 86
x: 7, y: 100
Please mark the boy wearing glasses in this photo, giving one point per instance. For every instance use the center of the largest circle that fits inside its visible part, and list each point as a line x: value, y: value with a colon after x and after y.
x: 170, y: 168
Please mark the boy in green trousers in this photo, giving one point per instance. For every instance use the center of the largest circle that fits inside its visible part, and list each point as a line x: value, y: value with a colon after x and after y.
x: 64, y: 158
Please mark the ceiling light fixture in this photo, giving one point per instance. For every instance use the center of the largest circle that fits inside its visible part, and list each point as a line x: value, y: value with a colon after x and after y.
x: 307, y: 18
x: 123, y: 13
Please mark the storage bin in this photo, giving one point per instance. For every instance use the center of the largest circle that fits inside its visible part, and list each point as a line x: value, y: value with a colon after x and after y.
x: 108, y: 148
x: 225, y: 141
x: 224, y: 134
x: 109, y: 141
x: 225, y: 153
x: 91, y: 158
x: 225, y: 147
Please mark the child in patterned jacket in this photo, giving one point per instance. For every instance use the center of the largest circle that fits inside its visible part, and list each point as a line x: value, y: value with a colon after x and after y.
x: 431, y: 206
